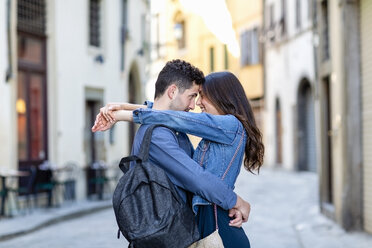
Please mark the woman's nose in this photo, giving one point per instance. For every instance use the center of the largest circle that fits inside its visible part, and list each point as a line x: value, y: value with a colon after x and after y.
x: 198, y: 102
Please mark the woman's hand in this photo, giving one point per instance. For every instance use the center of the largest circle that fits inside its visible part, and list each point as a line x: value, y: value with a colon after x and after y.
x: 238, y: 218
x: 244, y: 207
x: 101, y: 124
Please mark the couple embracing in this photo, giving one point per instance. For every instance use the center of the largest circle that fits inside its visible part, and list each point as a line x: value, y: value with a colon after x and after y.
x: 204, y: 177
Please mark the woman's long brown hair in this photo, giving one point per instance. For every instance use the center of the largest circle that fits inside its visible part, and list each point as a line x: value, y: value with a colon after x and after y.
x: 226, y: 93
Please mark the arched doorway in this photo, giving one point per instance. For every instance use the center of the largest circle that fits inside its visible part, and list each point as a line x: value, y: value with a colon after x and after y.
x: 306, y: 127
x: 278, y: 133
x: 134, y: 96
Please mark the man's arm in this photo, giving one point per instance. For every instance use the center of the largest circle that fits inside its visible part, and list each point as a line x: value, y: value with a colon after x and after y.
x: 109, y: 108
x: 185, y: 172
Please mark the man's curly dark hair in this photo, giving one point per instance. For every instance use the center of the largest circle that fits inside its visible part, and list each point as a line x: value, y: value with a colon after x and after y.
x: 180, y: 73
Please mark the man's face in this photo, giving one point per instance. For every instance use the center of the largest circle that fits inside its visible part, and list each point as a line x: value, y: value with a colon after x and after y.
x: 186, y: 100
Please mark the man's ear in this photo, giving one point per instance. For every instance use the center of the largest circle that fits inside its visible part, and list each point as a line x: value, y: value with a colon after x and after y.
x: 172, y: 91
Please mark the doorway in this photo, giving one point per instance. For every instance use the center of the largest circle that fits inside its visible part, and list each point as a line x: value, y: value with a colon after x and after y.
x: 134, y: 96
x: 31, y: 104
x: 306, y: 128
x: 94, y: 149
x: 327, y: 168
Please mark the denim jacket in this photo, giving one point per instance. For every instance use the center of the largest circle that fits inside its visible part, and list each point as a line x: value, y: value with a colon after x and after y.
x: 221, y: 149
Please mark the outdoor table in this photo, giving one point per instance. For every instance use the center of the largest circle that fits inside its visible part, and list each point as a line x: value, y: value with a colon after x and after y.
x: 4, y: 174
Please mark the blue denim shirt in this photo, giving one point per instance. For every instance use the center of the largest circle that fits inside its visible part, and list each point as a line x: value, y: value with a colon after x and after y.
x: 172, y: 152
x: 220, y: 150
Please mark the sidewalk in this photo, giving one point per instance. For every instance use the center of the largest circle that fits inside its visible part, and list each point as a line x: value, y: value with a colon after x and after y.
x: 285, y: 213
x: 40, y: 218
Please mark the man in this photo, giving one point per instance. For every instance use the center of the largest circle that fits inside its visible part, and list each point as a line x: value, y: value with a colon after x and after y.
x: 176, y: 88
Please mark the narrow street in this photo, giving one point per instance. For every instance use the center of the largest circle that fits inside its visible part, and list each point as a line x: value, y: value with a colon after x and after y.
x: 96, y: 230
x: 284, y: 214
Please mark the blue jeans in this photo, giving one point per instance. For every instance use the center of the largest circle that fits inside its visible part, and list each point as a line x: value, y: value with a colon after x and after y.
x: 232, y: 237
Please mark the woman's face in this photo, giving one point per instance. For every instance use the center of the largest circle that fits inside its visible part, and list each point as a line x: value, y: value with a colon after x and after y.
x: 205, y: 104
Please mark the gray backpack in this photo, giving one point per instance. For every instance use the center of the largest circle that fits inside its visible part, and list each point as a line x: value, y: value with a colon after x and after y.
x: 148, y: 209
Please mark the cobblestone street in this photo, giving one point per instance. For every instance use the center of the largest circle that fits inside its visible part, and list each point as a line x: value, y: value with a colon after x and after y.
x: 284, y: 214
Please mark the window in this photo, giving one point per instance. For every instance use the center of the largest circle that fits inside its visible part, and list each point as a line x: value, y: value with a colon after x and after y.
x: 95, y: 23
x: 180, y: 34
x: 226, y: 56
x: 298, y: 14
x: 283, y: 21
x: 310, y: 9
x: 255, y: 52
x: 31, y: 16
x: 144, y: 39
x: 250, y: 48
x: 179, y: 29
x: 245, y: 48
x: 124, y: 31
x: 270, y: 17
x: 211, y: 59
x: 325, y: 32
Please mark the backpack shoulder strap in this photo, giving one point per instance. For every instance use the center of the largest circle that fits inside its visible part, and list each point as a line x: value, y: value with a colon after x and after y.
x: 145, y: 145
x: 125, y: 162
x: 144, y: 150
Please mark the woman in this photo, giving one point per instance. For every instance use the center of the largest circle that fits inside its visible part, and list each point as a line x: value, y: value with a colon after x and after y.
x: 229, y: 132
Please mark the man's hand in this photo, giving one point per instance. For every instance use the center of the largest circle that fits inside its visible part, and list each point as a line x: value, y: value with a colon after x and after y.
x: 238, y: 218
x: 244, y: 207
x: 107, y: 111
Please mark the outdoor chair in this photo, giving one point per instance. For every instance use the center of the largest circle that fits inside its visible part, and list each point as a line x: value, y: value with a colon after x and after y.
x: 97, y: 179
x: 24, y: 190
x: 44, y: 183
x: 67, y: 180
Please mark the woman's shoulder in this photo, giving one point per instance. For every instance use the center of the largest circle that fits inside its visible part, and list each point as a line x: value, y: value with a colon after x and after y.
x: 236, y: 122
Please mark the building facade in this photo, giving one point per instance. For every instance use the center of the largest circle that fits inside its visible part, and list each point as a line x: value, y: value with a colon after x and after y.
x: 60, y: 62
x: 289, y: 85
x: 366, y: 54
x: 341, y: 148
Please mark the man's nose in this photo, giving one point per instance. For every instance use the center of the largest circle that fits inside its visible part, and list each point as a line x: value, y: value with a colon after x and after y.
x: 192, y: 105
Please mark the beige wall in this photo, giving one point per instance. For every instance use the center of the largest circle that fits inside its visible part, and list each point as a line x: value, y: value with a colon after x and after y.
x: 337, y: 118
x: 71, y: 71
x: 366, y: 51
x: 245, y: 14
x: 343, y: 69
x: 8, y: 91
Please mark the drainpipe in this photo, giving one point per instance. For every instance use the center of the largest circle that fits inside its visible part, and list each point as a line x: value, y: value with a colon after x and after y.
x: 263, y: 54
x: 9, y: 72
